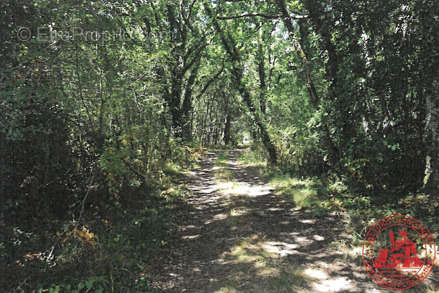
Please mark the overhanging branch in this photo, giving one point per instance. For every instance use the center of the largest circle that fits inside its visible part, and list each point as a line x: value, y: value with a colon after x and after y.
x: 250, y: 15
x: 267, y: 16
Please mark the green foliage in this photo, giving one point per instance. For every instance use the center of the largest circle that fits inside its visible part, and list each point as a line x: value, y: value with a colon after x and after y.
x: 311, y: 194
x: 85, y: 134
x: 301, y: 152
x: 373, y: 112
x: 221, y: 161
x: 96, y: 131
x: 93, y: 284
x: 253, y: 157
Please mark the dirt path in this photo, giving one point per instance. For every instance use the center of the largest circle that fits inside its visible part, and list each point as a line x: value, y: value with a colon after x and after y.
x: 236, y: 235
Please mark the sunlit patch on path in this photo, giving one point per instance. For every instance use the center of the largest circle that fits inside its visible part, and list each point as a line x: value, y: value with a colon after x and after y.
x: 237, y: 235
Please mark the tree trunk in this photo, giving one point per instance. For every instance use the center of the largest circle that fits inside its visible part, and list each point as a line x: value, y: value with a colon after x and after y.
x: 431, y: 181
x: 227, y: 129
x: 261, y: 71
x: 237, y: 73
x: 333, y: 151
x: 300, y: 53
x: 186, y: 109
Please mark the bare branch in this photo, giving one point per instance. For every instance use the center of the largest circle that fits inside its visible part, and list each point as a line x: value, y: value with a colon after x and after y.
x: 206, y: 86
x: 267, y: 16
x: 250, y: 15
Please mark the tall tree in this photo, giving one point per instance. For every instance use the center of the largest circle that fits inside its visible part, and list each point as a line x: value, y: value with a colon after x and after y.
x: 238, y: 71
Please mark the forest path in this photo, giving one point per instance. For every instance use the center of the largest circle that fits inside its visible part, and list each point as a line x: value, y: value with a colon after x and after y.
x: 237, y: 235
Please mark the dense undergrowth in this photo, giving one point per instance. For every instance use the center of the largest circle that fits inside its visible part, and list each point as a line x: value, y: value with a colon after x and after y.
x: 329, y: 194
x: 111, y: 247
x: 114, y: 248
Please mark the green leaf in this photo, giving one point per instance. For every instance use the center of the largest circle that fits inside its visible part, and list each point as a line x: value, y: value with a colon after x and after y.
x: 89, y: 284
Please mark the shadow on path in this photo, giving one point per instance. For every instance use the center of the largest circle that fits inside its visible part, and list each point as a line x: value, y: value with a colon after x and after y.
x: 236, y: 235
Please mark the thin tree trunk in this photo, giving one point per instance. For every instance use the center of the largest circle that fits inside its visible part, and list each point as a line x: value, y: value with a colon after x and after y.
x: 228, y: 122
x: 261, y: 71
x: 306, y: 66
x: 431, y: 182
x: 237, y: 72
x: 300, y: 53
x: 227, y: 129
x: 187, y: 105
